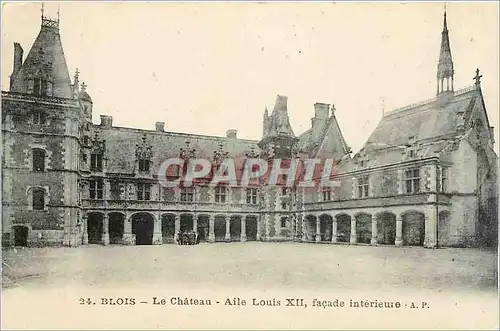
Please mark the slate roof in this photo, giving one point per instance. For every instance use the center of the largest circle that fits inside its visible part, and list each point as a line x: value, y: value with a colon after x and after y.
x: 121, y: 146
x: 46, y: 59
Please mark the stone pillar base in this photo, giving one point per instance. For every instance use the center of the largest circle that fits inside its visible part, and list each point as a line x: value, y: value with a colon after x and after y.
x: 105, y: 239
x: 243, y: 238
x: 227, y: 239
x: 176, y: 237
x: 318, y: 238
x: 430, y: 244
x: 129, y: 239
x: 211, y: 238
x: 157, y: 238
x: 85, y: 238
x: 373, y: 241
x: 334, y: 239
x: 353, y: 240
x: 398, y: 242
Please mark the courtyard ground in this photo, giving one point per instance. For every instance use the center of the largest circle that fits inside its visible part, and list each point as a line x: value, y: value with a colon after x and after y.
x: 465, y: 274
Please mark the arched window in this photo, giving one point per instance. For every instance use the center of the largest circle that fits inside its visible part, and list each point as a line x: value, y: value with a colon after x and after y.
x: 38, y: 195
x: 38, y: 159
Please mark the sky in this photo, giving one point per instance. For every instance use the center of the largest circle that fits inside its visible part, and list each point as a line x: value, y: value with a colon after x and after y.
x: 208, y: 67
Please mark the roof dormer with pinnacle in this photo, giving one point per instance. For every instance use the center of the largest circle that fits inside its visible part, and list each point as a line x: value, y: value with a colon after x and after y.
x: 44, y: 72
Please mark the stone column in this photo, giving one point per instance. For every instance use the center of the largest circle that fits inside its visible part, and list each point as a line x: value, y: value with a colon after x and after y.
x: 354, y: 237
x: 257, y: 236
x: 243, y: 229
x: 105, y: 230
x: 211, y: 228
x: 85, y: 230
x: 399, y: 231
x: 128, y: 237
x: 318, y: 230
x: 227, y: 237
x: 195, y: 223
x: 177, y: 227
x: 334, y: 230
x: 431, y: 217
x: 374, y: 239
x: 157, y: 235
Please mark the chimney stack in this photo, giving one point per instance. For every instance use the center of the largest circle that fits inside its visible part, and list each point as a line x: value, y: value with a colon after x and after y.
x: 160, y: 126
x: 231, y: 134
x: 18, y: 61
x: 318, y: 122
x: 106, y: 121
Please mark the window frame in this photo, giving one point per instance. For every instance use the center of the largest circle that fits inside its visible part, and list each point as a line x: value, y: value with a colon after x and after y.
x: 143, y: 191
x: 43, y: 155
x: 220, y: 194
x: 96, y: 189
x: 363, y: 186
x: 188, y: 194
x: 412, y: 180
x: 251, y: 196
x: 98, y: 158
x: 35, y: 195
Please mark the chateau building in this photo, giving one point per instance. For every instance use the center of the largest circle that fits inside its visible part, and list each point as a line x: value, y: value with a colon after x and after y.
x: 427, y: 175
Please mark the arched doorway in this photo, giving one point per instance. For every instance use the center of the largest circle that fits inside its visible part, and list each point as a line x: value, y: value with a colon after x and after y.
x: 203, y: 227
x: 325, y: 227
x: 20, y: 235
x: 363, y: 228
x: 310, y: 228
x: 186, y: 222
x: 235, y: 228
x: 386, y: 228
x: 94, y: 227
x: 343, y: 228
x: 413, y: 228
x: 251, y: 228
x: 220, y: 228
x: 116, y: 227
x: 143, y: 227
x: 168, y: 228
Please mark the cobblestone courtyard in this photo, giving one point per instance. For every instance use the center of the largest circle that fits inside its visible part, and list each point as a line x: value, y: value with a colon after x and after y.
x: 255, y: 265
x: 48, y: 286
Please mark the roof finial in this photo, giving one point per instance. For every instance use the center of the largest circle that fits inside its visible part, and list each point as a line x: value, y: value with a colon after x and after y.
x: 58, y: 9
x: 84, y: 86
x: 445, y: 23
x: 477, y: 78
x: 42, y: 10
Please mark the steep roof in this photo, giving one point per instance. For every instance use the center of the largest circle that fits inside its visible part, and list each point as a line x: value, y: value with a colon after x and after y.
x: 121, y: 146
x: 428, y: 120
x: 45, y: 60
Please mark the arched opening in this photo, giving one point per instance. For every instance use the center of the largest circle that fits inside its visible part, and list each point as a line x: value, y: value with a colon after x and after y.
x: 186, y: 222
x: 220, y: 228
x: 310, y: 228
x: 251, y: 228
x: 444, y: 228
x: 203, y: 228
x: 386, y: 228
x: 20, y: 235
x: 326, y: 227
x: 343, y: 228
x: 95, y: 227
x: 413, y: 228
x: 168, y: 228
x: 235, y: 228
x: 143, y: 227
x: 364, y: 228
x: 116, y: 227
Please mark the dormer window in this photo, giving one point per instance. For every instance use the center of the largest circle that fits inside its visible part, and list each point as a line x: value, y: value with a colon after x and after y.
x: 95, y: 162
x: 144, y: 165
x: 40, y: 87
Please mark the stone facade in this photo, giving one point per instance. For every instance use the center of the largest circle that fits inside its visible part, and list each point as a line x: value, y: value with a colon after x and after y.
x: 426, y: 176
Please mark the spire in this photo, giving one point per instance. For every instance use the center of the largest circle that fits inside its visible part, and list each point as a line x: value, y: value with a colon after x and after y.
x: 445, y: 69
x: 44, y: 71
x: 76, y: 82
x: 278, y: 122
